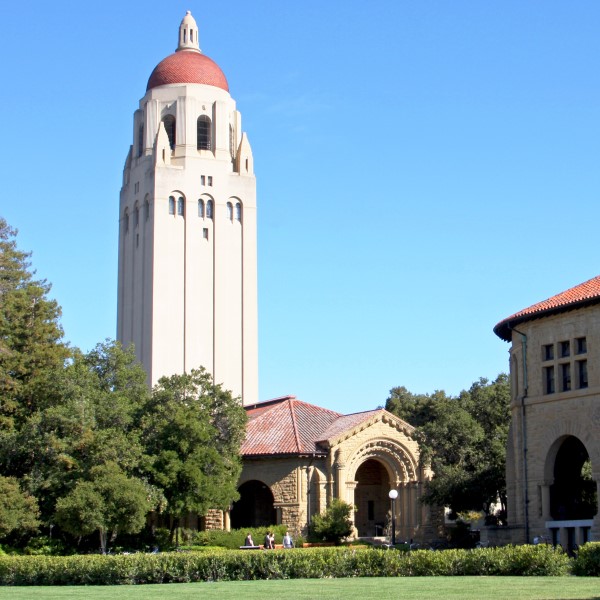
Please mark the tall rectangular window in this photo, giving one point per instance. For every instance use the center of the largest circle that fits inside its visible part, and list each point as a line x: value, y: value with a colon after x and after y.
x: 582, y: 374
x: 581, y: 345
x: 549, y: 378
x: 565, y: 349
x: 548, y: 352
x: 565, y: 372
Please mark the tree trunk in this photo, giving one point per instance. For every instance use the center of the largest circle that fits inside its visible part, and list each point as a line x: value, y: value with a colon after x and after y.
x: 102, y: 540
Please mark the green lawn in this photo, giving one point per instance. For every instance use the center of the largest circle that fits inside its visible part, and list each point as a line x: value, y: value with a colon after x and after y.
x: 421, y: 588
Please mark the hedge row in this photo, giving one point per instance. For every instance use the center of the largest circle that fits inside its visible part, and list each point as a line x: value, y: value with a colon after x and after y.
x: 279, y: 564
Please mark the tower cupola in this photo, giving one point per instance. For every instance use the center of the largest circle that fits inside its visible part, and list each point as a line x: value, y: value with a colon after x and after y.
x: 188, y: 34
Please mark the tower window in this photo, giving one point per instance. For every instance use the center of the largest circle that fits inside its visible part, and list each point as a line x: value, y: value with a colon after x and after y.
x: 202, y: 179
x: 169, y: 123
x: 230, y: 211
x: 205, y: 233
x: 136, y: 216
x: 126, y: 219
x: 209, y: 209
x: 238, y: 211
x: 146, y: 210
x: 204, y: 133
x: 180, y: 206
x: 171, y: 205
x: 201, y: 208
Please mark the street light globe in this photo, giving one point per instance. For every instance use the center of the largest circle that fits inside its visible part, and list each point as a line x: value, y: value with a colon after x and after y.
x: 393, y: 494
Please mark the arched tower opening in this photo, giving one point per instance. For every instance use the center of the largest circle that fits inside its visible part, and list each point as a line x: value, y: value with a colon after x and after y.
x: 255, y: 507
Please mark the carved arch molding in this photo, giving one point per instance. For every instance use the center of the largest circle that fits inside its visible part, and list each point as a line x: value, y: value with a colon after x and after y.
x: 394, y: 456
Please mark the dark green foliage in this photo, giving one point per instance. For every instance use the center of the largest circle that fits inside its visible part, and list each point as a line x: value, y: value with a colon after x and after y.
x: 334, y: 524
x: 279, y: 564
x: 464, y: 441
x: 18, y: 510
x: 192, y: 432
x: 587, y: 561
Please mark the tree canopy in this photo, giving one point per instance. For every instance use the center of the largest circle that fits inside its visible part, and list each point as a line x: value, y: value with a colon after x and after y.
x: 464, y: 440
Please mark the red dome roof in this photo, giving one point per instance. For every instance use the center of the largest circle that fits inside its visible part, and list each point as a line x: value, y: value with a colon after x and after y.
x: 187, y: 66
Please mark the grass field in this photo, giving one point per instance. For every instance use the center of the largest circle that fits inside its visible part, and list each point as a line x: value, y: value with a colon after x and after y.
x: 421, y: 588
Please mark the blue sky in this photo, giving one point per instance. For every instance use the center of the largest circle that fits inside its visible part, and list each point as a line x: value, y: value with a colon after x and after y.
x: 424, y: 169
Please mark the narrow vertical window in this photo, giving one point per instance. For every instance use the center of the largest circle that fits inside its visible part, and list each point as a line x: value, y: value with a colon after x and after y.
x: 230, y: 211
x: 566, y: 377
x: 209, y: 209
x: 126, y: 219
x: 582, y: 374
x: 238, y: 211
x: 180, y: 205
x: 210, y: 180
x: 202, y: 179
x: 565, y: 349
x: 169, y: 123
x: 201, y: 208
x: 140, y: 140
x: 231, y: 147
x: 146, y: 210
x: 205, y: 233
x: 549, y: 376
x: 204, y: 133
x: 548, y: 352
x: 171, y: 205
x: 581, y: 345
x: 136, y: 216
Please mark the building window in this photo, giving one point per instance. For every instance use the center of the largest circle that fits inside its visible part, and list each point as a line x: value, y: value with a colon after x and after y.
x: 126, y: 219
x: 582, y: 374
x: 231, y: 146
x: 171, y: 205
x: 238, y: 211
x: 209, y: 209
x: 180, y: 207
x: 549, y: 377
x: 204, y: 133
x: 565, y: 373
x: 201, y: 208
x: 580, y: 345
x: 210, y: 180
x: 565, y: 349
x: 146, y: 210
x: 136, y: 216
x: 548, y: 352
x: 169, y: 123
x: 202, y: 180
x: 205, y: 233
x: 230, y: 211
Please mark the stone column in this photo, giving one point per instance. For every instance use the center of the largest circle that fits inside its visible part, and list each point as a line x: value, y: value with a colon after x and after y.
x: 545, y: 487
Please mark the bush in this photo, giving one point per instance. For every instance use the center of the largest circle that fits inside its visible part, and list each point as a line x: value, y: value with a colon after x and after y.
x: 587, y: 562
x: 334, y: 524
x: 235, y: 538
x: 211, y: 565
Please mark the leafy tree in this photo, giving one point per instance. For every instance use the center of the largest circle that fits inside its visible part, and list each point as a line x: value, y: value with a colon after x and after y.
x: 18, y: 510
x: 193, y: 431
x: 464, y: 441
x: 110, y: 502
x: 334, y: 524
x: 31, y: 347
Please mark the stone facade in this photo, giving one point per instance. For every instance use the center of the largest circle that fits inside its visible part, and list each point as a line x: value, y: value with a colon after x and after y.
x: 553, y: 454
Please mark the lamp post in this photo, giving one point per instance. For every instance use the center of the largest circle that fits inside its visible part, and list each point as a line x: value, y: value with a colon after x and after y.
x: 393, y: 494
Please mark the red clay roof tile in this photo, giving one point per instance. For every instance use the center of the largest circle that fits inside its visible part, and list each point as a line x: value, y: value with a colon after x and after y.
x: 581, y: 295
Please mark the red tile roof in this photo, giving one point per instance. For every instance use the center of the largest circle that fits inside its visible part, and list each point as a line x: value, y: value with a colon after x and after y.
x: 187, y: 66
x: 290, y: 427
x: 584, y: 294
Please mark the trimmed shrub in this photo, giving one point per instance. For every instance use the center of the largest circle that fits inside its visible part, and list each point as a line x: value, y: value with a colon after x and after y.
x: 310, y: 563
x: 587, y: 562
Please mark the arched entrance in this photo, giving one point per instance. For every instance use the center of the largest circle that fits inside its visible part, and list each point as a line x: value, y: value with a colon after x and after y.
x: 573, y: 495
x: 371, y: 498
x: 255, y: 506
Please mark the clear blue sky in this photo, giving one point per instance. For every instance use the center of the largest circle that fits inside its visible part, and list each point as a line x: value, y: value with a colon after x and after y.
x: 424, y: 170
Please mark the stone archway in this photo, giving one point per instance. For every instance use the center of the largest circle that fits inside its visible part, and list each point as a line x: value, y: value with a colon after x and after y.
x: 255, y: 508
x: 371, y: 498
x: 573, y: 493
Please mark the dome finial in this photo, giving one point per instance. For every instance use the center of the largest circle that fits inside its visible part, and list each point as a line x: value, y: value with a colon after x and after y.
x: 188, y: 34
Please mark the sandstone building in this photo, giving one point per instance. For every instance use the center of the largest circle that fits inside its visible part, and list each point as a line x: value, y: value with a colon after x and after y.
x: 553, y: 454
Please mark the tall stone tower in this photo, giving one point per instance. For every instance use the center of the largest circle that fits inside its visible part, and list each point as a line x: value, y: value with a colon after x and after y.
x: 187, y: 294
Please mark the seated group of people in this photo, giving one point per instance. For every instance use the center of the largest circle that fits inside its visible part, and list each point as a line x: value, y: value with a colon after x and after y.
x: 269, y: 543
